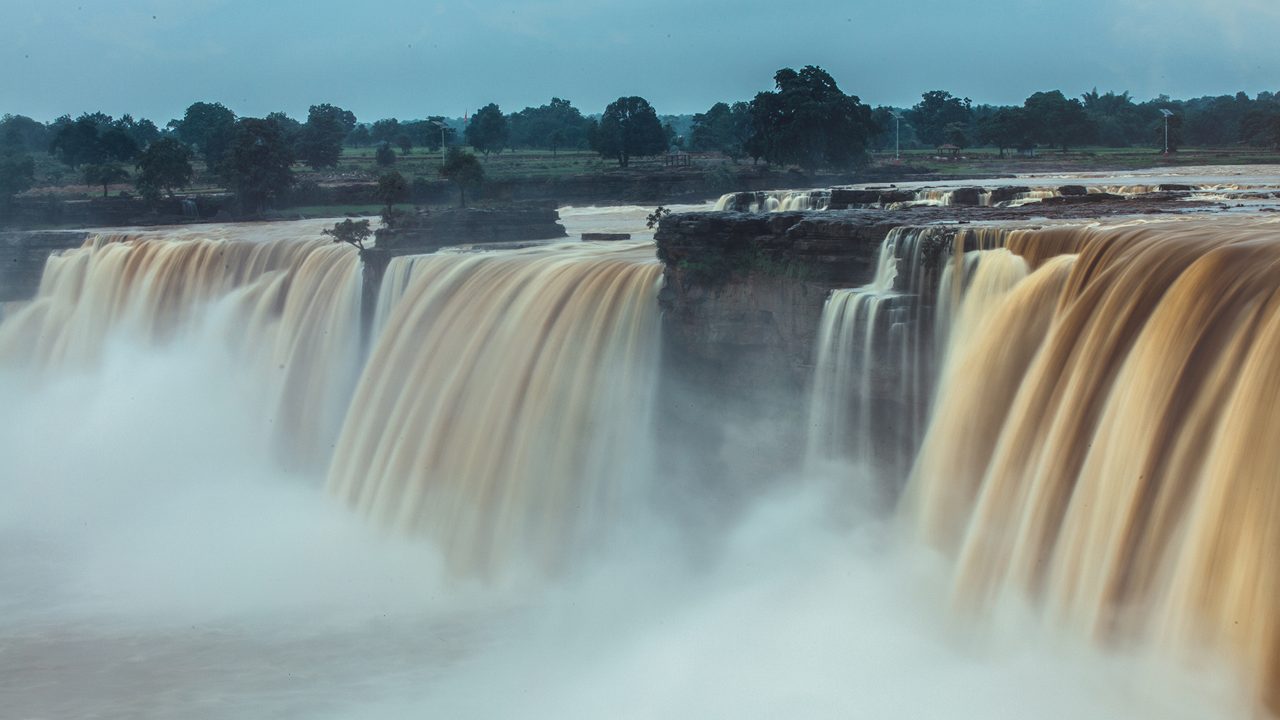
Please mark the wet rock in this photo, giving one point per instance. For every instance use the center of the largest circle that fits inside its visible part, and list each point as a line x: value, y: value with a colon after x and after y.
x: 1007, y: 193
x: 967, y: 196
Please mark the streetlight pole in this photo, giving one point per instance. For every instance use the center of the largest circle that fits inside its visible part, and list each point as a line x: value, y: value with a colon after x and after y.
x: 897, y: 136
x: 1167, y: 115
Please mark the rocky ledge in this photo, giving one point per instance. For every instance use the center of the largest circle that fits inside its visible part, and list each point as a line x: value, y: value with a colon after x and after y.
x: 428, y: 230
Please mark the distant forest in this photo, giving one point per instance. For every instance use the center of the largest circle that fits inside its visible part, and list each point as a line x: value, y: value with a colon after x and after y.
x: 806, y: 121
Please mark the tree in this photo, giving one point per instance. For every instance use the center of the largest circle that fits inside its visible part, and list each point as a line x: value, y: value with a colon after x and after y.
x: 320, y: 142
x: 552, y: 126
x: 17, y: 175
x: 1056, y: 121
x: 1005, y: 128
x: 392, y: 189
x: 291, y: 128
x: 723, y: 128
x: 359, y: 137
x: 385, y: 156
x: 162, y: 167
x: 404, y: 143
x: 937, y: 110
x: 141, y: 132
x: 488, y: 130
x: 629, y: 128
x: 463, y: 170
x: 21, y: 134
x: 810, y: 122
x: 956, y: 134
x: 78, y: 143
x: 257, y: 163
x: 1119, y: 122
x: 437, y: 132
x: 208, y: 127
x: 104, y: 175
x: 385, y: 130
x: 351, y: 232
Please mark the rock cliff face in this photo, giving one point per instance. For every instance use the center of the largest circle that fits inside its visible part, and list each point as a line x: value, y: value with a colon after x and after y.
x: 742, y: 300
x: 743, y: 293
x: 22, y: 259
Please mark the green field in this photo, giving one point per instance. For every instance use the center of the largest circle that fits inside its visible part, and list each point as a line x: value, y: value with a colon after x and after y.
x: 358, y: 166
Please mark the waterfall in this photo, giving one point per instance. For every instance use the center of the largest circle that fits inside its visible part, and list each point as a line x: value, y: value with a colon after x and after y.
x: 774, y: 201
x: 504, y: 406
x: 1101, y: 439
x: 505, y: 399
x: 288, y: 309
x: 879, y: 345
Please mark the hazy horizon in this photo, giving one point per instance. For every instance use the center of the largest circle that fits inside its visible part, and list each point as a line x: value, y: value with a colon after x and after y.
x: 152, y: 58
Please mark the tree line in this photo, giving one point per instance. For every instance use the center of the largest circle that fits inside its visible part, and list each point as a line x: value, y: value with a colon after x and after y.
x: 804, y: 120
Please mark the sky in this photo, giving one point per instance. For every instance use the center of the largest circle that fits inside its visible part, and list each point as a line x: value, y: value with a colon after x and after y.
x: 413, y: 58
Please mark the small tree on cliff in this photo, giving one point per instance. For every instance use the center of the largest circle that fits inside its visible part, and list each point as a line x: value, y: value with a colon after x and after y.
x: 463, y: 170
x: 351, y: 232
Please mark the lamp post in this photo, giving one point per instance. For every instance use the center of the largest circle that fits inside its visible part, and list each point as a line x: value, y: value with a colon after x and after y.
x: 442, y: 127
x: 1166, y: 115
x: 897, y: 135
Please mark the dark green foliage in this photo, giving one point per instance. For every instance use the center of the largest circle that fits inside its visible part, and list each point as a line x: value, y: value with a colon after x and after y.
x: 957, y: 134
x: 808, y: 121
x: 724, y: 128
x: 392, y: 189
x: 553, y: 126
x: 352, y: 232
x: 17, y: 174
x: 257, y: 163
x: 320, y: 141
x: 1173, y: 135
x: 1057, y: 121
x: 359, y: 137
x: 162, y: 167
x: 1117, y: 120
x: 935, y: 116
x: 21, y: 134
x: 291, y: 128
x: 76, y: 143
x: 140, y: 132
x: 404, y: 143
x: 385, y: 156
x: 1262, y: 127
x: 96, y: 139
x: 104, y: 175
x: 652, y: 219
x: 1005, y: 128
x: 435, y: 131
x: 488, y: 130
x: 629, y: 128
x: 385, y: 130
x: 208, y: 127
x: 463, y: 170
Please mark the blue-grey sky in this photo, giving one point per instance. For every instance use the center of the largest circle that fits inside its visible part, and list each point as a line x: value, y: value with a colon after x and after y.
x: 411, y: 58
